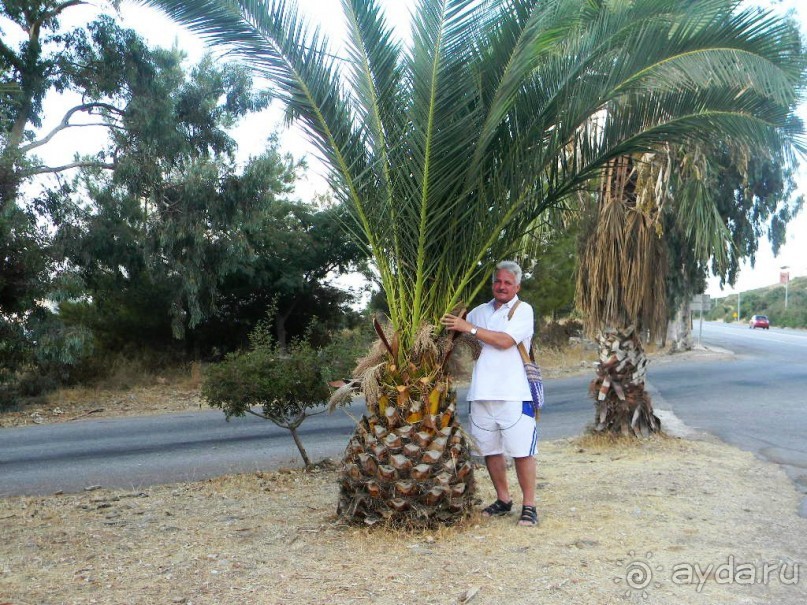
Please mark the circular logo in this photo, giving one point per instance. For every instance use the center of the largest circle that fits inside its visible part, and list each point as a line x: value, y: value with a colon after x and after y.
x: 638, y: 575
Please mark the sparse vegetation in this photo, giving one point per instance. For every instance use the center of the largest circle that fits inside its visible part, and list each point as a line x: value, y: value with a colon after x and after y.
x: 769, y: 301
x: 285, y: 383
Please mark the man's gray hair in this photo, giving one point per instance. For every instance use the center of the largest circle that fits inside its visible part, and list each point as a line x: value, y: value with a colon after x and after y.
x: 512, y: 267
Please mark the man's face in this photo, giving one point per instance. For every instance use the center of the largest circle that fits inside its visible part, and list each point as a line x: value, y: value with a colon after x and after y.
x: 504, y: 287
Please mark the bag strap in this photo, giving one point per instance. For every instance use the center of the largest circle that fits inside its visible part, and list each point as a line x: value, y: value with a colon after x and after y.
x: 521, y: 348
x: 523, y: 351
x: 513, y: 310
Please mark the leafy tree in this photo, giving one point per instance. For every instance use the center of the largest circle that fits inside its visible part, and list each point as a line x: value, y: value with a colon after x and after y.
x: 161, y: 123
x: 176, y: 246
x: 237, y: 239
x: 296, y: 249
x: 165, y: 223
x: 25, y: 270
x: 101, y: 64
x: 449, y: 150
x: 756, y: 196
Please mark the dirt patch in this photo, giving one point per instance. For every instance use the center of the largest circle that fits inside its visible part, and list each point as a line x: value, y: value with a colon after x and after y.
x: 73, y: 404
x: 608, y: 515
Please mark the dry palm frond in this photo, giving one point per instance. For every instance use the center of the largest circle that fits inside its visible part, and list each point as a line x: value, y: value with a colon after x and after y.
x: 424, y: 344
x: 378, y: 353
x: 371, y: 385
x: 342, y: 396
x: 366, y: 371
x: 622, y: 272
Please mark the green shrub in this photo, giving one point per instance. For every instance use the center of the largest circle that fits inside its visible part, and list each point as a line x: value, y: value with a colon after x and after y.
x: 285, y: 385
x: 8, y: 392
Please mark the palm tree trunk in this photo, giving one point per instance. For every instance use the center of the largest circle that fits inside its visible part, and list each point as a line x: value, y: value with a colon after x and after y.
x: 623, y: 406
x: 408, y: 462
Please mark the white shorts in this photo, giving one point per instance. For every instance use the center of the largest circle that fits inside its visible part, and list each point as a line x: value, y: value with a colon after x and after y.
x: 504, y: 427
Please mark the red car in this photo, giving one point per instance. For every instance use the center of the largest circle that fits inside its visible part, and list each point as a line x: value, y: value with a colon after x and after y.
x: 759, y: 321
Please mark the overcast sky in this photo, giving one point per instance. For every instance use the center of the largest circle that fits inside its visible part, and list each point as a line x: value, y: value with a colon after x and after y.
x: 252, y: 133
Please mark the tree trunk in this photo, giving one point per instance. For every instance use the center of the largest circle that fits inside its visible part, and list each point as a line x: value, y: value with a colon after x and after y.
x: 299, y: 443
x: 280, y: 328
x: 623, y: 407
x: 679, y: 330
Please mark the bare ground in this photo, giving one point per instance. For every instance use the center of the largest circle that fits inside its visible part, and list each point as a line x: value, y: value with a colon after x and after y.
x: 608, y: 514
x: 663, y: 521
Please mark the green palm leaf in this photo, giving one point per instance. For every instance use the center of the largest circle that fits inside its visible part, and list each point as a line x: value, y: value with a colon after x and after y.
x: 449, y: 151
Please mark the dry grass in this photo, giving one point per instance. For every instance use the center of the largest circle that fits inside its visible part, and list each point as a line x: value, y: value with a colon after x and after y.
x: 177, y: 391
x: 567, y: 361
x: 607, y: 509
x: 272, y: 538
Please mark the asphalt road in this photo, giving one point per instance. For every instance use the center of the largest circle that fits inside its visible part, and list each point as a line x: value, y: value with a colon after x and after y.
x: 136, y: 452
x: 755, y: 400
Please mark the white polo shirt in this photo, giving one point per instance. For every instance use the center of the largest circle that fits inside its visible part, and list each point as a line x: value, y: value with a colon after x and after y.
x: 499, y: 374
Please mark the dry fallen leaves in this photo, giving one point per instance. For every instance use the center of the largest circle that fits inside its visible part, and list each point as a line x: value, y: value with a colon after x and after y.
x: 273, y: 537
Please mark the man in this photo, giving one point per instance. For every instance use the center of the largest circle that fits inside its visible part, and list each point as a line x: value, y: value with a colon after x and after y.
x: 502, y: 415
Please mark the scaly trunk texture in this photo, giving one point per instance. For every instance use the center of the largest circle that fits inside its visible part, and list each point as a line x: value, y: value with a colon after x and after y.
x: 408, y: 462
x: 623, y: 407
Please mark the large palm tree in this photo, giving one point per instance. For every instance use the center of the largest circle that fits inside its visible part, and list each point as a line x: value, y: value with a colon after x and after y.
x: 647, y: 205
x: 621, y: 287
x: 448, y: 150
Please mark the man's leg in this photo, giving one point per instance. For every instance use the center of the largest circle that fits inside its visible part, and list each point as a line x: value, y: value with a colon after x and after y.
x: 525, y: 471
x: 497, y: 469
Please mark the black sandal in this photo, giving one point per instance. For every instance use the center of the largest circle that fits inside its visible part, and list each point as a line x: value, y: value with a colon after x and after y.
x: 498, y: 509
x: 529, y: 516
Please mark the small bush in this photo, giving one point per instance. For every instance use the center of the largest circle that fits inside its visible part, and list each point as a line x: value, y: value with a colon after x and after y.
x: 36, y: 384
x: 285, y: 385
x: 24, y: 387
x: 8, y: 395
x: 124, y: 369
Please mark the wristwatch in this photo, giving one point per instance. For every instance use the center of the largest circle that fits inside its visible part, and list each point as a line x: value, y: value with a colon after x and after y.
x: 473, y: 331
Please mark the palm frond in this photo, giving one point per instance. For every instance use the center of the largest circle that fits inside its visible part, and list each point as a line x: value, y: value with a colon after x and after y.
x: 451, y: 150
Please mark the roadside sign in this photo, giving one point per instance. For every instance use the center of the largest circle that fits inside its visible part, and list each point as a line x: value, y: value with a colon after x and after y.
x: 700, y: 302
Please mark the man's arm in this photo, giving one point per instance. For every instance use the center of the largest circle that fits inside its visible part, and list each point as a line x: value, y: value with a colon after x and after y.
x: 500, y: 340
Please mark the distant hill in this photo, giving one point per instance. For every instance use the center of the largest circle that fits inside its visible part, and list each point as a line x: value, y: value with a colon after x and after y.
x: 769, y: 301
